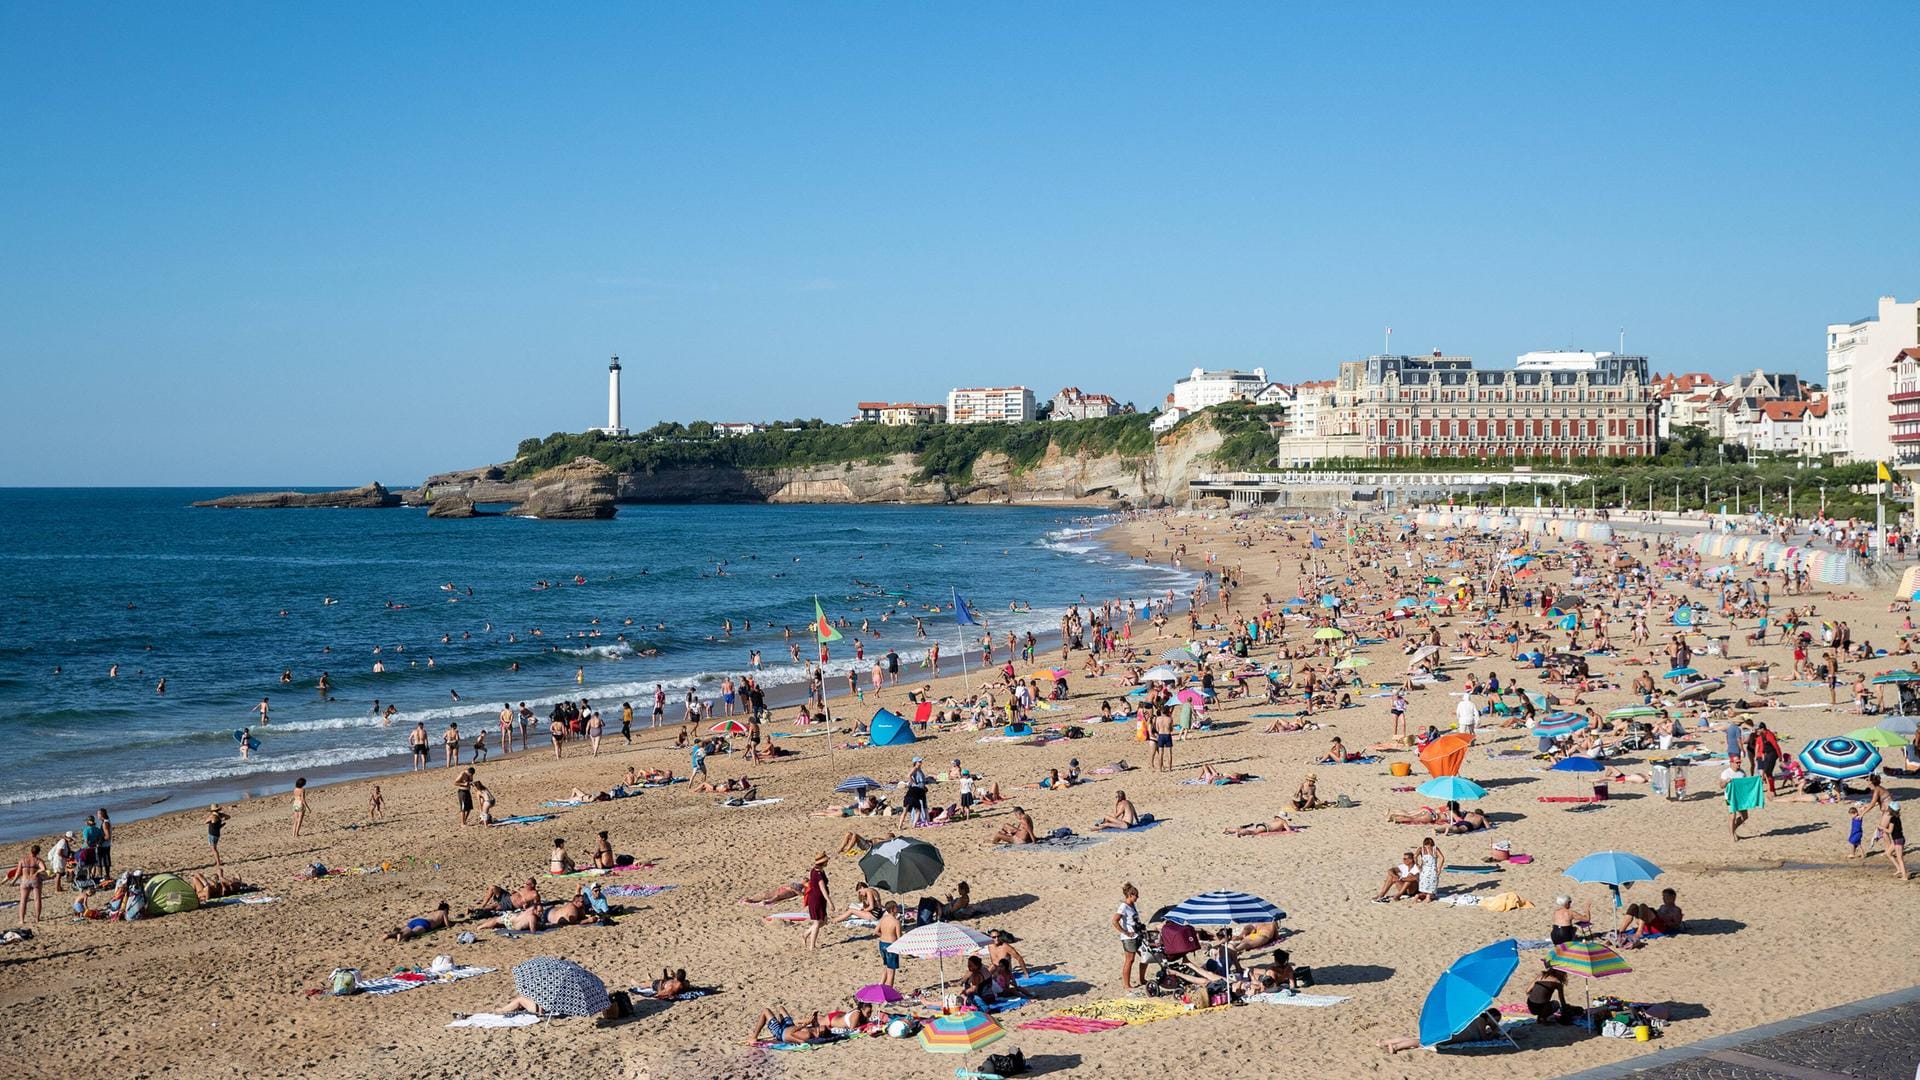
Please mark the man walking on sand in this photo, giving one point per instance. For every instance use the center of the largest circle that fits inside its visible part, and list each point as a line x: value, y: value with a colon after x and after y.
x: 1162, y: 757
x: 887, y: 929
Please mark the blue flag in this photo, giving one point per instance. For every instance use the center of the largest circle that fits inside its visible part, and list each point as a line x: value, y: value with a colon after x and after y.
x: 963, y: 612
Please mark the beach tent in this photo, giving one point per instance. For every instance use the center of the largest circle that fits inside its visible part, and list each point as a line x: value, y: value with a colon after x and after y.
x: 170, y: 894
x: 889, y: 729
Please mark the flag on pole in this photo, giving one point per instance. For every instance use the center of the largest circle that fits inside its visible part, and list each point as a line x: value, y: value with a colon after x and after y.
x: 1884, y: 474
x: 822, y: 629
x: 963, y: 612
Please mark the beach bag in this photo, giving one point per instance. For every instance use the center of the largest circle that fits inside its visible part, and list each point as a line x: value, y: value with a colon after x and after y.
x: 1008, y: 1064
x: 343, y: 981
x: 136, y: 905
x: 1302, y: 976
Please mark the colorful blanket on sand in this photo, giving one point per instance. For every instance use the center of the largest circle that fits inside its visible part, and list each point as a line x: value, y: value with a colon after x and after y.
x: 1221, y: 782
x: 637, y: 892
x: 1076, y: 1025
x: 684, y: 995
x: 594, y: 871
x: 1305, y: 1001
x: 1131, y: 1010
x: 411, y: 980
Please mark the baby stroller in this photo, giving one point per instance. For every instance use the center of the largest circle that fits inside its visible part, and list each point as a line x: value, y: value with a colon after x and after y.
x: 1165, y: 951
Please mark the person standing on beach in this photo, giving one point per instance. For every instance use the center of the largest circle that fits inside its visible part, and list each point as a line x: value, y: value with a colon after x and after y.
x: 506, y: 729
x: 463, y: 794
x: 1162, y: 756
x: 893, y: 667
x: 887, y: 930
x: 299, y: 806
x: 818, y: 899
x: 595, y: 728
x: 1126, y: 923
x: 30, y: 874
x: 626, y: 721
x: 417, y: 740
x: 216, y: 820
x: 104, y: 849
x: 659, y: 704
x: 557, y: 731
x: 376, y: 804
x: 451, y: 739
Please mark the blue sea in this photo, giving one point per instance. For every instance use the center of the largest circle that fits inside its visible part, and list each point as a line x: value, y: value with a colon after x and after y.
x: 221, y: 602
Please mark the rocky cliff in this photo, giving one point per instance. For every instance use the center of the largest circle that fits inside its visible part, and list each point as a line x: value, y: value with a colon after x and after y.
x: 582, y: 489
x: 361, y: 498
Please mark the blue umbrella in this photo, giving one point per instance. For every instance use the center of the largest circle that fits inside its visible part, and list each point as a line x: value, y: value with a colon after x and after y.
x: 1224, y: 909
x: 1298, y: 601
x: 1452, y: 789
x: 1897, y: 677
x: 1551, y: 728
x: 1406, y: 602
x: 1679, y: 672
x: 1840, y: 758
x: 1613, y: 869
x: 1899, y: 725
x: 1465, y: 990
x: 858, y: 784
x: 1577, y: 764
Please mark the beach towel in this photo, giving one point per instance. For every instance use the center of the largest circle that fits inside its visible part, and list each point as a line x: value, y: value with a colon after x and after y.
x: 1063, y: 844
x: 410, y: 980
x: 1506, y: 901
x: 1459, y: 900
x: 750, y: 802
x: 1352, y: 761
x: 597, y: 871
x: 1132, y: 1010
x: 1305, y: 1001
x: 495, y: 1020
x: 815, y: 1044
x: 1507, y: 1028
x: 225, y: 900
x: 1221, y: 782
x: 640, y: 892
x: 787, y: 916
x: 1005, y: 1004
x: 1077, y: 1025
x: 1528, y: 944
x: 1043, y: 978
x: 1473, y: 869
x: 523, y: 819
x: 1148, y: 821
x: 684, y: 995
x: 1746, y: 793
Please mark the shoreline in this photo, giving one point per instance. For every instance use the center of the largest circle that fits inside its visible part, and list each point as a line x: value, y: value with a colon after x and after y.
x: 139, y: 805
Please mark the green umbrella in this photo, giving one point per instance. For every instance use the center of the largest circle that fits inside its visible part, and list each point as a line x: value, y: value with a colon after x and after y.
x: 1875, y: 736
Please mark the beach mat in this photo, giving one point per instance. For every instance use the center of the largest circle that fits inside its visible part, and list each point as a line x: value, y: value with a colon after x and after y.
x: 410, y: 980
x: 750, y: 802
x: 636, y: 892
x: 523, y: 819
x: 223, y: 901
x: 1305, y: 1001
x: 1473, y: 869
x: 495, y: 1020
x: 1043, y: 978
x: 1064, y: 844
x: 1075, y: 1025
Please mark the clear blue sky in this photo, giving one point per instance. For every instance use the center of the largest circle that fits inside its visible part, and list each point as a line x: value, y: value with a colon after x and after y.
x: 315, y: 244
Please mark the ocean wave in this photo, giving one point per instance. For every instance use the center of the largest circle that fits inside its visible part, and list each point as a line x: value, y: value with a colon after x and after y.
x: 187, y: 775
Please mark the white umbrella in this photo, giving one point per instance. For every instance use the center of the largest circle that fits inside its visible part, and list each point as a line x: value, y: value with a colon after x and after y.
x: 1161, y: 674
x: 940, y: 940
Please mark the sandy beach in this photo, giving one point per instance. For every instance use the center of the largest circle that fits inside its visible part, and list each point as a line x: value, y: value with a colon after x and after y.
x: 1781, y: 922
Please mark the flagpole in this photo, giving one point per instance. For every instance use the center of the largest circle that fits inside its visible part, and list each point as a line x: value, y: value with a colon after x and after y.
x: 961, y: 634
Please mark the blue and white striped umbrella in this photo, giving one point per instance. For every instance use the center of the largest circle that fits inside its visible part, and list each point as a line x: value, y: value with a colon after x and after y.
x: 1555, y: 725
x: 1224, y: 909
x: 1840, y: 758
x: 858, y: 784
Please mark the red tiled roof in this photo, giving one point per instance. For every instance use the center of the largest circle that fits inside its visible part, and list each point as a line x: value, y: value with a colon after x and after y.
x: 1784, y: 411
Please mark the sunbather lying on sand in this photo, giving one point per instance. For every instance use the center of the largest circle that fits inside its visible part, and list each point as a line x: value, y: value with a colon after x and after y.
x: 499, y: 899
x: 1214, y: 776
x: 1470, y: 821
x: 670, y: 984
x: 219, y: 885
x: 741, y: 784
x: 1485, y: 1026
x: 780, y: 1026
x: 1288, y: 723
x: 776, y: 894
x: 1426, y: 815
x: 855, y: 844
x: 570, y: 912
x: 419, y: 926
x: 1278, y: 824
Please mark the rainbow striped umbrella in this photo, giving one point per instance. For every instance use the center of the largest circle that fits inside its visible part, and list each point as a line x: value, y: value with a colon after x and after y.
x: 961, y: 1033
x: 1590, y: 959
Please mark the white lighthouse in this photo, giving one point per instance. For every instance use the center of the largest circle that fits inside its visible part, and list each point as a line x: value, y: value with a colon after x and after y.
x: 613, y: 399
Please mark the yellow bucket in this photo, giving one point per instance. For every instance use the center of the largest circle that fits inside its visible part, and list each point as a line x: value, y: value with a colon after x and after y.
x: 1400, y: 768
x: 1642, y: 1032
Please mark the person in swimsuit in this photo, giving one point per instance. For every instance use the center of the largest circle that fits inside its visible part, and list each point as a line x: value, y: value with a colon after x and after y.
x: 299, y: 805
x: 558, y: 861
x: 603, y: 852
x: 219, y: 885
x: 417, y: 741
x: 463, y: 794
x: 29, y: 873
x: 1549, y: 987
x: 780, y: 1027
x: 420, y: 926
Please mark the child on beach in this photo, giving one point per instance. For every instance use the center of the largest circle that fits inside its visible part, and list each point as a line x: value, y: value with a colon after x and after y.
x: 1856, y: 829
x: 376, y: 804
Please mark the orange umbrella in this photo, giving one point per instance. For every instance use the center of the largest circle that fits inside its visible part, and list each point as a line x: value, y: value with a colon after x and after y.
x: 1444, y: 755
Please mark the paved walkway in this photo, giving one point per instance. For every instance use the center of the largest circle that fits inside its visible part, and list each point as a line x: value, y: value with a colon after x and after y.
x: 1875, y: 1039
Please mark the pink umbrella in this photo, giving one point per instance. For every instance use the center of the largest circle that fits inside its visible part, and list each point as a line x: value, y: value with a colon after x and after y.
x: 1191, y: 697
x: 878, y: 994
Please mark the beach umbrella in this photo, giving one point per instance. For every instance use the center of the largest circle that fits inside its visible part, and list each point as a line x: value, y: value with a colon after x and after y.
x: 1589, y: 959
x: 1554, y: 725
x: 1840, y: 758
x: 1614, y: 869
x: 1897, y: 677
x: 1431, y: 580
x: 729, y: 727
x: 1900, y: 725
x: 1632, y: 712
x: 1329, y: 633
x: 1577, y: 764
x: 859, y: 785
x: 938, y: 941
x: 878, y: 994
x: 1298, y: 601
x: 1190, y: 696
x: 1406, y: 602
x: 560, y: 987
x: 1877, y: 737
x: 960, y: 1033
x: 1452, y: 789
x: 1352, y: 662
x: 1161, y: 674
x: 1680, y: 673
x: 1177, y: 655
x: 1465, y: 990
x: 902, y: 865
x: 1444, y: 755
x: 1422, y: 653
x: 1224, y: 908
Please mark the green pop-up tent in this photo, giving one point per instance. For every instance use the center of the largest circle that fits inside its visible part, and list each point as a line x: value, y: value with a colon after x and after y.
x: 170, y: 894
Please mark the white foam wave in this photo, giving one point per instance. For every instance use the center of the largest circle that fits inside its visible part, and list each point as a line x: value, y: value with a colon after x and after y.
x: 187, y: 775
